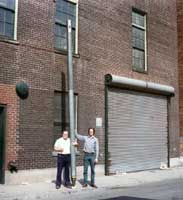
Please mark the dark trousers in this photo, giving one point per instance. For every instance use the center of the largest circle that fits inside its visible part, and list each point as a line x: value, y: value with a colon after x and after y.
x: 63, y: 162
x: 89, y: 159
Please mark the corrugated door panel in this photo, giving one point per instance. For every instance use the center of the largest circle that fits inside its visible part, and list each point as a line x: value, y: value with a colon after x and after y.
x: 137, y: 130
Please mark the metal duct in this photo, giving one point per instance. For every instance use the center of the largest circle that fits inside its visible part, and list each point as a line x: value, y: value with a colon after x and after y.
x: 138, y: 84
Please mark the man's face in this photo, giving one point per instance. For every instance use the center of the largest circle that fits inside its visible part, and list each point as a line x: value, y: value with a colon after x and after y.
x: 65, y: 135
x: 91, y: 132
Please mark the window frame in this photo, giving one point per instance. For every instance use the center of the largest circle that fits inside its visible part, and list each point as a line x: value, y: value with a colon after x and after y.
x: 60, y: 123
x: 15, y: 11
x: 76, y: 27
x: 144, y: 28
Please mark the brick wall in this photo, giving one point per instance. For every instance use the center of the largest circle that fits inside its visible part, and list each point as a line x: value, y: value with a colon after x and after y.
x: 104, y: 47
x: 8, y: 98
x: 36, y: 130
x: 180, y: 66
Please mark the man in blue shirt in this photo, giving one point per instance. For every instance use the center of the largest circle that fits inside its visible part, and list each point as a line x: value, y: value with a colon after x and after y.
x: 91, y: 153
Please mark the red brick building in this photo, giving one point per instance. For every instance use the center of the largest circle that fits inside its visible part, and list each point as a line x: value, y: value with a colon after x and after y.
x: 180, y: 66
x: 129, y: 39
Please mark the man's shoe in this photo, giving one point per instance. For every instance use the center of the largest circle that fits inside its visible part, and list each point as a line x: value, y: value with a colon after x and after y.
x: 94, y: 186
x: 85, y: 185
x: 57, y: 187
x: 68, y: 185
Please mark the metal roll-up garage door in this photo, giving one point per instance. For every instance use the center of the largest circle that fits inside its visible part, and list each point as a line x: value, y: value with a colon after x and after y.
x: 137, y: 130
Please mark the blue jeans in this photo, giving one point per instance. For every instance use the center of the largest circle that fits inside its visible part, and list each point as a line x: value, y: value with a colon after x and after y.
x: 89, y: 159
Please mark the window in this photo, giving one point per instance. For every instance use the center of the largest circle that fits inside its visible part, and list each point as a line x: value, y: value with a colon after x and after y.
x: 8, y: 18
x: 139, y: 41
x: 66, y: 9
x: 61, y: 113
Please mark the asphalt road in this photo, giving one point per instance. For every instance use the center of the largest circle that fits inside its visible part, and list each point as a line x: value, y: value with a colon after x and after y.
x: 166, y: 190
x: 169, y: 190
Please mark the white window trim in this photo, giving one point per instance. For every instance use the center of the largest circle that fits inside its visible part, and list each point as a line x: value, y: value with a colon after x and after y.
x: 76, y: 113
x: 140, y: 27
x: 145, y: 39
x: 15, y: 20
x: 74, y: 1
x: 76, y: 35
x: 145, y: 24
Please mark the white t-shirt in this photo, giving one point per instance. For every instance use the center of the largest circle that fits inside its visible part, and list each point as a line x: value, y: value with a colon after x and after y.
x: 62, y: 143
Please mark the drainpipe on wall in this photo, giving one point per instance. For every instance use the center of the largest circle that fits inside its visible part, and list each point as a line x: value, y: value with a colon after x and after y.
x: 71, y: 100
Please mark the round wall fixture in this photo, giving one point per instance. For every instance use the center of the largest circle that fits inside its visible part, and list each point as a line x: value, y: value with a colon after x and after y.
x: 22, y: 90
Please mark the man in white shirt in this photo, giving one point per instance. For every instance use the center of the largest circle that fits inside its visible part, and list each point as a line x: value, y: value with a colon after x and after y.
x: 62, y: 147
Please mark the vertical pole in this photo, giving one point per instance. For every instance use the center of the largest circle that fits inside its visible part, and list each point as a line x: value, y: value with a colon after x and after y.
x: 71, y: 100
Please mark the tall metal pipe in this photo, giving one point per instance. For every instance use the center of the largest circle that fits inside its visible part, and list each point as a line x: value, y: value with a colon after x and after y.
x: 71, y: 100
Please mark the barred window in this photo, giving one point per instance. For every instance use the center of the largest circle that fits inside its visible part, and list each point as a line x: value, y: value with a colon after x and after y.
x: 65, y: 9
x: 7, y: 18
x: 61, y: 113
x: 139, y: 41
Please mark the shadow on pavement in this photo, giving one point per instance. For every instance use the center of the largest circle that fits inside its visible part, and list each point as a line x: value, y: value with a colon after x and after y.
x: 126, y: 198
x: 81, y: 181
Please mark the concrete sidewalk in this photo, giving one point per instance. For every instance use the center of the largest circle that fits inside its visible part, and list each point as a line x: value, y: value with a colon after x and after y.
x: 46, y: 189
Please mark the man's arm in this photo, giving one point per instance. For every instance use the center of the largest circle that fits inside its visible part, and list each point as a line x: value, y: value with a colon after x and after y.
x: 57, y: 148
x: 97, y: 150
x: 79, y: 137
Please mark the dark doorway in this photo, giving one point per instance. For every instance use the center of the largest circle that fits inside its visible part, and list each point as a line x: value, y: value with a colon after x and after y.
x: 2, y: 144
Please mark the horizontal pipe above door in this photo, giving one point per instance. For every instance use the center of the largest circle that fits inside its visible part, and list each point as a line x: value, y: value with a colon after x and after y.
x: 130, y: 83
